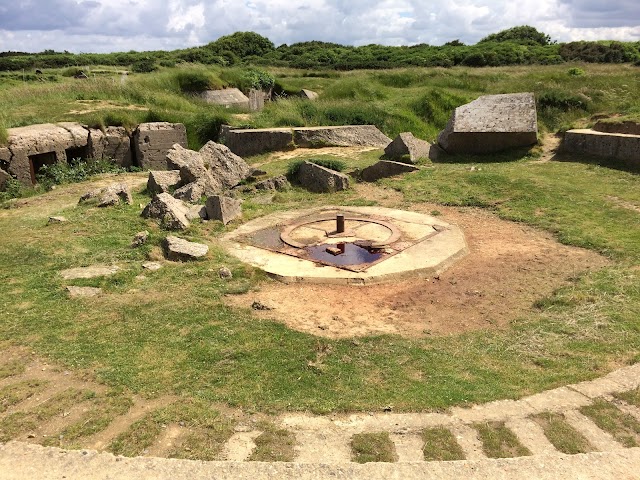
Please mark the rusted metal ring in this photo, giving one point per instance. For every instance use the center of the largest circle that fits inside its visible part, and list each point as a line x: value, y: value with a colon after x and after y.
x: 285, y: 235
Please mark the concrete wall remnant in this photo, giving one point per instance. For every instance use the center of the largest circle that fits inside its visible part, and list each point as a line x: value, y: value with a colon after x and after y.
x: 316, y: 178
x: 152, y: 141
x: 616, y: 146
x: 228, y: 97
x: 114, y: 143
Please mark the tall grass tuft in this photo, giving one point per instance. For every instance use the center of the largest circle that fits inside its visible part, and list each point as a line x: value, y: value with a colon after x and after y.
x: 436, y: 106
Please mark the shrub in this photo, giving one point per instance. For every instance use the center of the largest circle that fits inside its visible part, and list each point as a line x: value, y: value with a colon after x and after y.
x: 206, y: 126
x: 294, y: 167
x: 246, y: 79
x: 575, y: 72
x: 77, y: 170
x: 563, y: 101
x: 144, y: 65
x: 13, y: 189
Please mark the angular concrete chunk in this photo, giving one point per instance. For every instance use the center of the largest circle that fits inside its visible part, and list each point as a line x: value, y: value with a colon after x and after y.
x: 224, y: 209
x: 490, y: 124
x: 320, y: 179
x: 407, y: 149
x: 340, y: 136
x: 180, y: 250
x: 171, y: 212
x: 246, y: 142
x: 162, y: 181
x: 152, y: 141
x: 228, y: 168
x: 385, y: 168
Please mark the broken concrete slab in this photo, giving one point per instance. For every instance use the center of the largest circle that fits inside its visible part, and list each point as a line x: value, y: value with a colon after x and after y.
x: 197, y: 212
x: 627, y: 127
x: 316, y: 178
x: 171, y: 212
x: 228, y: 97
x: 89, y: 272
x: 152, y: 266
x: 308, y: 94
x: 140, y: 239
x: 109, y: 196
x: 223, y: 208
x: 274, y: 183
x: 225, y: 166
x: 385, y: 168
x: 114, y: 143
x: 616, y: 146
x: 178, y: 156
x: 152, y: 141
x: 406, y: 148
x: 247, y: 142
x: 180, y: 250
x: 79, y: 292
x: 340, y: 136
x: 162, y: 181
x: 491, y: 123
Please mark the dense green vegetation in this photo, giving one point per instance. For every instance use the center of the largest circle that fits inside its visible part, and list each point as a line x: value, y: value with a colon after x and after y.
x: 521, y: 45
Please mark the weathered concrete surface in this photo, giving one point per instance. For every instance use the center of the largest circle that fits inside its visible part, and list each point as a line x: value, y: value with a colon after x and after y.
x: 228, y: 97
x: 490, y: 124
x: 316, y: 178
x: 274, y: 183
x: 19, y: 461
x: 385, y: 168
x: 181, y: 250
x: 89, y: 272
x: 616, y: 146
x: 79, y: 292
x: 406, y: 148
x: 626, y: 127
x: 171, y: 212
x: 162, y: 181
x: 247, y: 142
x: 308, y: 94
x: 340, y: 136
x: 114, y: 143
x: 4, y: 177
x: 428, y: 257
x: 152, y: 141
x: 52, y: 139
x: 109, y: 196
x: 227, y: 167
x: 223, y: 208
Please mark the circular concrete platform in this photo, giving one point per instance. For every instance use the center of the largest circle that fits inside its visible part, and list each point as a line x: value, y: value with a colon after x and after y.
x: 412, y: 244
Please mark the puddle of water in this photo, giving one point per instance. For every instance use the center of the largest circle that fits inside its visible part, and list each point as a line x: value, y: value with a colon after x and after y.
x: 349, y: 254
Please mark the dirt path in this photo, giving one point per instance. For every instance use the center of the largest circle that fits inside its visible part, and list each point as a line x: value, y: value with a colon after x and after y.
x: 510, y: 267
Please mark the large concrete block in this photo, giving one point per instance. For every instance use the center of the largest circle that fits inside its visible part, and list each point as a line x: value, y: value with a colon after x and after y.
x: 407, y: 148
x: 228, y: 97
x: 152, y: 141
x: 617, y: 146
x: 114, y: 144
x: 340, y: 136
x: 316, y: 178
x: 490, y: 124
x: 247, y: 142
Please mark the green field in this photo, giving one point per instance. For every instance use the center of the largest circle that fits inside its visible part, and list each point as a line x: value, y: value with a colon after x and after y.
x: 172, y: 334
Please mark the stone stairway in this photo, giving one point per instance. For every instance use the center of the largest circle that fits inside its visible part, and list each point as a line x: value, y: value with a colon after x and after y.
x: 323, y: 443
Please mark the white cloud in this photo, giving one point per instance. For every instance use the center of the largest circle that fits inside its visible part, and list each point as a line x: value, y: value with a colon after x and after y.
x: 117, y: 25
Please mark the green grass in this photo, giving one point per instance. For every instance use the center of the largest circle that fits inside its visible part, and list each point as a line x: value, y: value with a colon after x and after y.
x: 273, y: 445
x: 373, y: 447
x: 208, y: 431
x: 624, y: 428
x: 440, y: 445
x: 18, y: 392
x: 562, y: 435
x: 12, y: 368
x: 632, y: 397
x: 22, y: 422
x: 500, y: 442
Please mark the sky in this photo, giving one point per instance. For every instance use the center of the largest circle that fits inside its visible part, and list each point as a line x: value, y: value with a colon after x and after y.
x: 100, y: 26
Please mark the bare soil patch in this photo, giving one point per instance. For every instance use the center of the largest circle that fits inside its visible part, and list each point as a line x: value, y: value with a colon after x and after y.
x: 344, y: 152
x: 510, y: 267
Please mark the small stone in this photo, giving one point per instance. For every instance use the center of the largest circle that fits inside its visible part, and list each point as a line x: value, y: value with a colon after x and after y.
x: 31, y: 435
x: 260, y: 306
x: 57, y: 219
x: 180, y: 250
x: 152, y: 266
x: 225, y: 273
x: 140, y: 239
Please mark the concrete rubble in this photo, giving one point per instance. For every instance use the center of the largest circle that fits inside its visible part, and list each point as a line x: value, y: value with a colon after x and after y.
x: 181, y: 250
x: 316, y: 178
